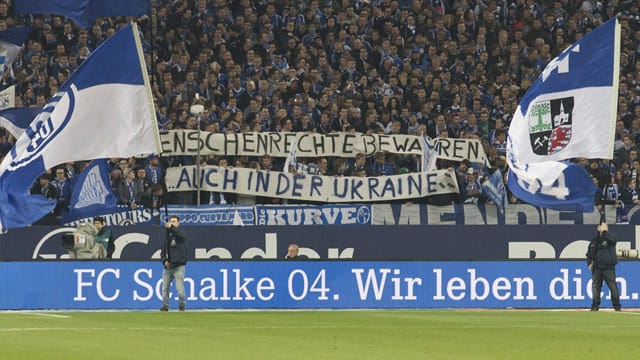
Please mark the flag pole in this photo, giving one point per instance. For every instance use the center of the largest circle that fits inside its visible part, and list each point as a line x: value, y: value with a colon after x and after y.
x: 197, y: 110
x: 614, y: 105
x: 615, y: 84
x: 147, y: 85
x: 151, y: 104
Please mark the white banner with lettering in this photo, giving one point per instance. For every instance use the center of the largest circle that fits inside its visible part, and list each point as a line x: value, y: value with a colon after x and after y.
x: 312, y: 187
x: 185, y: 142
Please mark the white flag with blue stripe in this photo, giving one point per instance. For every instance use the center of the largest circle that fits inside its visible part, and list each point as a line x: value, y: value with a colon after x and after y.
x: 103, y: 110
x: 291, y: 158
x: 568, y: 112
x: 429, y: 156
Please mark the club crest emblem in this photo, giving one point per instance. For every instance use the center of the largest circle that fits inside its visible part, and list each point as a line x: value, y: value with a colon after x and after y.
x: 53, y: 118
x: 550, y: 125
x: 5, y: 102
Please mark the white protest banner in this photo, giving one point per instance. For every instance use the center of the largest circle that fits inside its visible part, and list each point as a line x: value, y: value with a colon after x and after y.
x: 185, y: 142
x: 312, y: 187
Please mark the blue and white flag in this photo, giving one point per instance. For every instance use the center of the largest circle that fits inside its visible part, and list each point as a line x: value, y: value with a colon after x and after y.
x: 237, y: 219
x: 494, y: 188
x: 11, y: 42
x: 568, y: 112
x: 291, y: 158
x: 84, y: 12
x: 92, y: 194
x: 4, y: 66
x: 8, y: 97
x: 103, y: 110
x: 429, y: 156
x: 16, y: 120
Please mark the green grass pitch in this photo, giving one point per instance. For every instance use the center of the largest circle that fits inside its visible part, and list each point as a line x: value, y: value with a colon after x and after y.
x: 375, y: 334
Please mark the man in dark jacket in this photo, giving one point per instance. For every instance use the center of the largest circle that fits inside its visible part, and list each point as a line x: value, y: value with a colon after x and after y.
x: 601, y: 258
x: 174, y: 259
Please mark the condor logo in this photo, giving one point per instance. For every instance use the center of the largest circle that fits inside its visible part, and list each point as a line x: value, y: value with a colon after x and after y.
x: 46, y: 126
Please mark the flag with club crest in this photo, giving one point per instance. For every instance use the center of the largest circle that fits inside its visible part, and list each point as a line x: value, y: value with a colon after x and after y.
x: 568, y: 112
x: 103, y: 110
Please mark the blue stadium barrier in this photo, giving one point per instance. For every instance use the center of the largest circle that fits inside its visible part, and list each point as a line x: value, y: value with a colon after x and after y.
x: 311, y: 285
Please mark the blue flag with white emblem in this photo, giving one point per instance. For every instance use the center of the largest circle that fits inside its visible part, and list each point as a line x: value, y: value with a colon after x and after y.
x: 103, y: 110
x: 92, y: 193
x: 11, y: 42
x: 494, y: 188
x: 568, y: 112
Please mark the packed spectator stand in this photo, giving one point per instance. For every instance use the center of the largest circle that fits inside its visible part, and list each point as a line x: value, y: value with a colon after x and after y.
x: 441, y: 68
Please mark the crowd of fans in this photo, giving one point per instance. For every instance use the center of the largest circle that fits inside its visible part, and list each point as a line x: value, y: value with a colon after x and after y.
x: 446, y: 68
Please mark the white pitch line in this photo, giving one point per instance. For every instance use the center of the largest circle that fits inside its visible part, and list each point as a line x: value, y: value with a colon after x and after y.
x: 35, y: 313
x: 25, y: 329
x: 30, y: 329
x: 35, y: 329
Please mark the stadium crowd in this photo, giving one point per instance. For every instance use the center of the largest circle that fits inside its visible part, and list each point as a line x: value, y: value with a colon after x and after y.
x: 446, y: 68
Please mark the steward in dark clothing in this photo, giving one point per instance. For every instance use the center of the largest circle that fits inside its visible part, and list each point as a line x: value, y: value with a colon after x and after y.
x: 602, y: 260
x: 175, y: 248
x: 174, y: 259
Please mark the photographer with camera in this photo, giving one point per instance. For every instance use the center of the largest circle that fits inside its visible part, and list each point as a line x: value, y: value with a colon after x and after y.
x: 602, y: 260
x: 174, y: 260
x: 82, y: 243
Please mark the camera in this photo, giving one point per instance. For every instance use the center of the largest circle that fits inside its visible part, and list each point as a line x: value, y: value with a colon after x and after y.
x: 67, y: 241
x: 196, y: 109
x: 628, y: 253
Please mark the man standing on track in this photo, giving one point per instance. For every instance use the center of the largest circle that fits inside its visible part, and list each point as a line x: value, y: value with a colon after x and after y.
x: 174, y: 260
x: 602, y: 260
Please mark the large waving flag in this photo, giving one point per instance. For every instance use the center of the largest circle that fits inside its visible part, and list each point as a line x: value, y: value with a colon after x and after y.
x: 16, y: 120
x: 568, y: 112
x: 103, y: 110
x: 92, y: 194
x: 84, y: 12
x: 11, y: 42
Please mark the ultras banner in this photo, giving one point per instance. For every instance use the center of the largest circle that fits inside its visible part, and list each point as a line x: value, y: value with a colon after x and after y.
x: 185, y: 142
x: 312, y: 187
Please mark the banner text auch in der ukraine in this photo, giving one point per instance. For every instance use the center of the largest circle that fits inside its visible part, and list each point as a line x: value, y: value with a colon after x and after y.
x: 312, y: 187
